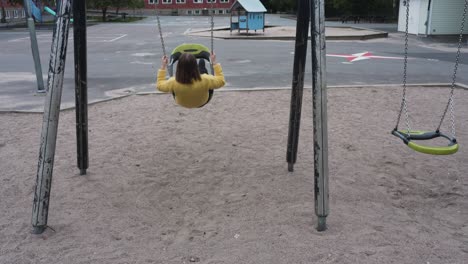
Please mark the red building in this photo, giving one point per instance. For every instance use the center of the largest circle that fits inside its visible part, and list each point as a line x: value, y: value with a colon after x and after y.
x: 190, y: 7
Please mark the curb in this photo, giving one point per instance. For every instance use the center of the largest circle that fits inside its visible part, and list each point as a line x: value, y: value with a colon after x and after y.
x: 260, y: 37
x: 237, y: 89
x: 377, y: 34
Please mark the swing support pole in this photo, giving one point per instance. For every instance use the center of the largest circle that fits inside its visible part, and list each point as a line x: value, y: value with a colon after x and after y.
x: 34, y: 48
x: 311, y: 10
x: 81, y: 84
x: 300, y: 57
x: 50, y: 120
x: 319, y: 98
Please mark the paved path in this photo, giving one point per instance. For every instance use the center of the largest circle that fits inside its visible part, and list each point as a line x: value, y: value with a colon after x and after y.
x: 123, y: 58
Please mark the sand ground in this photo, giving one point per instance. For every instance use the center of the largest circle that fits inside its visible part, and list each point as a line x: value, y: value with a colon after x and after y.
x: 171, y: 185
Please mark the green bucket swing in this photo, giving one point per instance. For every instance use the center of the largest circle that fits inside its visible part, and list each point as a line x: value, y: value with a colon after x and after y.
x: 412, y: 137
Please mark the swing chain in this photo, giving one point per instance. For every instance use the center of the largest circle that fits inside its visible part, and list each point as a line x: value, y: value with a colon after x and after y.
x: 161, y: 34
x: 212, y: 25
x: 404, y: 103
x: 451, y: 102
x: 159, y: 29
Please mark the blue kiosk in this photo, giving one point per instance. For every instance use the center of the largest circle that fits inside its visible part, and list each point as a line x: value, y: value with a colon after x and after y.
x: 248, y: 15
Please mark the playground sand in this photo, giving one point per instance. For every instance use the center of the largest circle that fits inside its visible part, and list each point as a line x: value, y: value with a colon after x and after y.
x: 171, y: 185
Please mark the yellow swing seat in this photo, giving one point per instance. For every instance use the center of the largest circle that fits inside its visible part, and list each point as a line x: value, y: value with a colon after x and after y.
x: 198, y: 50
x: 409, y: 138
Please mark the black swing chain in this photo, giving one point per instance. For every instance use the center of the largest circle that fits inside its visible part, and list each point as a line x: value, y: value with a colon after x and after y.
x: 212, y: 25
x: 159, y: 28
x: 451, y: 102
x: 404, y: 102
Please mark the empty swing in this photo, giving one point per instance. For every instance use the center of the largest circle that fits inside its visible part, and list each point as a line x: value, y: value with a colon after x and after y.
x: 411, y: 137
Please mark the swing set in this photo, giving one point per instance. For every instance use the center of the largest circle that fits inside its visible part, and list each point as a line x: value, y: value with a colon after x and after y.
x: 411, y: 137
x: 309, y: 13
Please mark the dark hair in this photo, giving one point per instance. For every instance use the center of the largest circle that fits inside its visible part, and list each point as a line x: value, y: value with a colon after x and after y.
x: 187, y: 69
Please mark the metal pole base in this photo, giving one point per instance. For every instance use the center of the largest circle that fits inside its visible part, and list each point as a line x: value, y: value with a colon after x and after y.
x: 37, y: 230
x: 322, y: 223
x: 41, y: 91
x: 83, y: 172
x: 290, y: 167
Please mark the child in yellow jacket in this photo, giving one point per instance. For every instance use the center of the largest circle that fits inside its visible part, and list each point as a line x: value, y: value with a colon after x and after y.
x: 192, y: 86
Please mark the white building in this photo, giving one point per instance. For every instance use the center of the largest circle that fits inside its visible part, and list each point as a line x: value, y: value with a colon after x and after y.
x: 432, y: 17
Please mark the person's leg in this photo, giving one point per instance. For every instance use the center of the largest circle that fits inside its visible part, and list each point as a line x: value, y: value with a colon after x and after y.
x: 202, y: 67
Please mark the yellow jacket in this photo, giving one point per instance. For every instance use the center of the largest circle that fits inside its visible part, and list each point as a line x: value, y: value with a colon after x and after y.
x: 195, y: 94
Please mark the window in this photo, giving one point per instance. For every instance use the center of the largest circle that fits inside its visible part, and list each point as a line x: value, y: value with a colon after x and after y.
x: 7, y: 15
x: 167, y: 1
x: 197, y: 12
x: 198, y: 1
x: 189, y: 12
x: 152, y: 2
x: 15, y: 13
x: 220, y: 11
x: 180, y: 1
x: 211, y: 1
x: 224, y: 1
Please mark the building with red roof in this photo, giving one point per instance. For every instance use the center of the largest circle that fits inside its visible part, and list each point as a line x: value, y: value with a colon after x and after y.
x: 190, y: 7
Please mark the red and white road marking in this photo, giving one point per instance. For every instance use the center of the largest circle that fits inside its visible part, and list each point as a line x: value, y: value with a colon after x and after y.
x: 362, y: 56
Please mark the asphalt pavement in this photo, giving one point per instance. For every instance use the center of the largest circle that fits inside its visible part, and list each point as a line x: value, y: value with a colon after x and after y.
x: 123, y: 58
